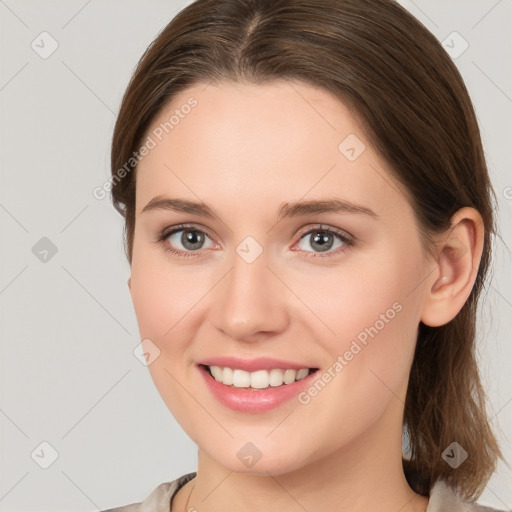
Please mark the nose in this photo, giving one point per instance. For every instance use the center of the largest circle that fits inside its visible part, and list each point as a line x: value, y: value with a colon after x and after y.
x: 251, y: 303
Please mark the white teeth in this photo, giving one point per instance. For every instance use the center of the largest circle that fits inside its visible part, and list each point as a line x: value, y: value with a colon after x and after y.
x: 303, y: 372
x: 289, y: 376
x: 227, y: 376
x: 276, y: 378
x: 241, y: 379
x: 260, y: 379
x: 217, y: 373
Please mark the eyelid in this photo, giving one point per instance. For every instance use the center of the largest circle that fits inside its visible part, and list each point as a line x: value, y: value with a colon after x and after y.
x: 330, y: 229
x: 345, y: 237
x: 167, y: 232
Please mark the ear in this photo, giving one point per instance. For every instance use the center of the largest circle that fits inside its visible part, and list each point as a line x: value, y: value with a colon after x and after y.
x: 456, y: 267
x: 130, y: 284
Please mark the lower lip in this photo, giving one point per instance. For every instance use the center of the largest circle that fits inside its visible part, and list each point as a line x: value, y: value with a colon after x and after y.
x: 254, y: 400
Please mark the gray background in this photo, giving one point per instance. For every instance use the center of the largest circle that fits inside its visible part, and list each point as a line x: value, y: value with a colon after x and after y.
x: 68, y: 373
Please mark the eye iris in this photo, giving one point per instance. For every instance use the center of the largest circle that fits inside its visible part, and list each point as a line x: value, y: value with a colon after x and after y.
x: 324, y: 239
x: 192, y: 237
x: 193, y: 240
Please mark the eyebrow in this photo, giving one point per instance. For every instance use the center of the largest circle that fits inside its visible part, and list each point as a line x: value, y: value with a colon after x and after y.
x: 288, y: 209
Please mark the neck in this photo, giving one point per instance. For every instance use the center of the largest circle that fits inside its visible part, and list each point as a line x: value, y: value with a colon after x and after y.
x: 367, y: 475
x: 316, y: 487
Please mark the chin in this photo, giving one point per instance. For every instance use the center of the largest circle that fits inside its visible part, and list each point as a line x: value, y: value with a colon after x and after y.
x: 259, y: 458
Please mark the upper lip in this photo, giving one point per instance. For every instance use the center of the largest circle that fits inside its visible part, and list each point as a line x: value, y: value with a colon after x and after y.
x: 252, y: 365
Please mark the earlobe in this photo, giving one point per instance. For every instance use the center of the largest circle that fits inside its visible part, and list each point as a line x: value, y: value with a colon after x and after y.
x: 457, y: 266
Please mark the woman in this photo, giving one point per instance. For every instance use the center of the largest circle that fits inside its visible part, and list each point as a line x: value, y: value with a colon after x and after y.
x: 308, y: 223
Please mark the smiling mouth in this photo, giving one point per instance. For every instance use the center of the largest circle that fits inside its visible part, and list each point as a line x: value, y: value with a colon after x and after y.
x: 260, y: 379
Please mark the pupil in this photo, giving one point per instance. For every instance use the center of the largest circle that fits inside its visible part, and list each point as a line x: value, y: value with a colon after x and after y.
x: 192, y: 238
x: 323, y: 238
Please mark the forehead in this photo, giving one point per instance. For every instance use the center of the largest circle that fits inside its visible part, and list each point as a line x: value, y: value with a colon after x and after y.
x: 244, y: 116
x: 246, y: 142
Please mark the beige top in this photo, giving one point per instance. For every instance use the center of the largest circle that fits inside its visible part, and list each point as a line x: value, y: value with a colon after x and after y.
x: 442, y: 499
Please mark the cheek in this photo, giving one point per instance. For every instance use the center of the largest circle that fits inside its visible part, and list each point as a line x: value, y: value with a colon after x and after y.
x: 372, y: 310
x: 163, y: 301
x: 161, y: 295
x: 152, y: 306
x: 369, y: 294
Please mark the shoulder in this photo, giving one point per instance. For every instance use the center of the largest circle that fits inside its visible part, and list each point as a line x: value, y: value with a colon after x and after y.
x: 159, y: 500
x: 444, y: 499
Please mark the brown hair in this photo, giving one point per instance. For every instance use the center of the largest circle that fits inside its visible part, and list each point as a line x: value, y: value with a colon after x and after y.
x: 416, y: 111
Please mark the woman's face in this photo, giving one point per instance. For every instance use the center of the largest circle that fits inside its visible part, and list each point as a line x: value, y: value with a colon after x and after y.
x: 260, y: 284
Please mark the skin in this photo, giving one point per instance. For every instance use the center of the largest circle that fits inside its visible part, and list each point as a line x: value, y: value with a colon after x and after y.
x: 245, y: 149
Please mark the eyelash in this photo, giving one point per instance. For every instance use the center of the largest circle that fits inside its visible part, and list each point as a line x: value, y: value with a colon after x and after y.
x: 166, y: 233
